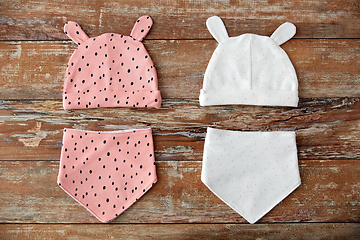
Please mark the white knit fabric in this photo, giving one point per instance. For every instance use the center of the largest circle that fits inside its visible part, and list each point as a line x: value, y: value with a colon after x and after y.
x: 250, y: 171
x: 249, y: 69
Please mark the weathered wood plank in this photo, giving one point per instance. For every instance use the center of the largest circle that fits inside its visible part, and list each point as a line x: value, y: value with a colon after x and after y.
x: 282, y: 231
x: 31, y: 74
x: 325, y: 128
x: 330, y: 192
x: 178, y: 19
x: 35, y: 70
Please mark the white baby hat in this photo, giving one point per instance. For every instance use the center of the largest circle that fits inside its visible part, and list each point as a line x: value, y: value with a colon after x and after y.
x: 249, y: 69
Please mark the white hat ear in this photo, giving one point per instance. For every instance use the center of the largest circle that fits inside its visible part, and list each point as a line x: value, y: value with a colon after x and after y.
x: 283, y: 33
x: 74, y: 31
x: 217, y: 28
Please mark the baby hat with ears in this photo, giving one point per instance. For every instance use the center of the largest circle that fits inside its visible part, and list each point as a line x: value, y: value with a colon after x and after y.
x: 110, y: 70
x: 249, y: 69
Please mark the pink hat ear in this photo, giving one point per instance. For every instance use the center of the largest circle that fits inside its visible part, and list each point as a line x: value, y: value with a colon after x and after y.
x: 74, y: 31
x: 141, y: 28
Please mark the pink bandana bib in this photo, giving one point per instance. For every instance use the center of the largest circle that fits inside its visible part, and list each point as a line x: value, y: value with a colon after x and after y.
x: 106, y: 172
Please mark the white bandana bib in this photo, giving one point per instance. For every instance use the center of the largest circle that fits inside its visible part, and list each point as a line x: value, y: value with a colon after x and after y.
x: 250, y: 171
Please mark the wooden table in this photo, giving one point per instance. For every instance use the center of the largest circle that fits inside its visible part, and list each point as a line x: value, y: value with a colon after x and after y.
x: 325, y: 52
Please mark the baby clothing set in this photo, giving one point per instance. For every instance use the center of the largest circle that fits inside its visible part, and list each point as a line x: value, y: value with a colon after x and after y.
x: 107, y: 172
x: 250, y: 171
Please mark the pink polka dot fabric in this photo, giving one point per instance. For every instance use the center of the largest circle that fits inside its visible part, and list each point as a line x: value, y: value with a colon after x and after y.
x: 110, y: 70
x: 250, y: 171
x: 249, y: 69
x: 106, y: 172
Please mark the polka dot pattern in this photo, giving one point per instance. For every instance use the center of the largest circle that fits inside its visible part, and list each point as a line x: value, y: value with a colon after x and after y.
x: 250, y: 171
x: 248, y: 69
x: 106, y: 172
x: 110, y: 70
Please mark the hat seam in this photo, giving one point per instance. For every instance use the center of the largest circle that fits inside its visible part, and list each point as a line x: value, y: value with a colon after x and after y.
x: 251, y: 63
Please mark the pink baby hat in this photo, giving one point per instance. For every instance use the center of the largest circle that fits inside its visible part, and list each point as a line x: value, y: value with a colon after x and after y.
x: 110, y: 70
x: 249, y: 69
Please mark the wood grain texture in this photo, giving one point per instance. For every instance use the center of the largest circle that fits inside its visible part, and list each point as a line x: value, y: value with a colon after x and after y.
x: 36, y: 70
x: 325, y: 128
x: 325, y: 52
x: 178, y: 19
x: 280, y: 231
x: 330, y: 192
